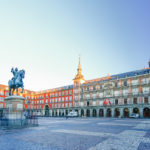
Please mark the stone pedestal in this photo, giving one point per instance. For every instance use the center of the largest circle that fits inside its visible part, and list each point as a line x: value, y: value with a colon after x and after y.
x: 15, y: 106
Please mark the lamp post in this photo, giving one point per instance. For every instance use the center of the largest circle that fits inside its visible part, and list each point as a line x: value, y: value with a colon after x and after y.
x: 29, y: 106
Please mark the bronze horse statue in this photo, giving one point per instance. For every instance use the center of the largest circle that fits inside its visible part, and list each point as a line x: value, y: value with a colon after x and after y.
x: 16, y: 82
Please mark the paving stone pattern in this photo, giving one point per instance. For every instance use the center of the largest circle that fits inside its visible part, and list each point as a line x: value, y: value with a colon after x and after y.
x: 79, y: 134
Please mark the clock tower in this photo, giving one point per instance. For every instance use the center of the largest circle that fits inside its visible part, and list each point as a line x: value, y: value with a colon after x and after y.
x: 78, y: 81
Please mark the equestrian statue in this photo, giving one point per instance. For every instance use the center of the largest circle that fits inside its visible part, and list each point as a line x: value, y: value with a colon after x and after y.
x: 16, y: 81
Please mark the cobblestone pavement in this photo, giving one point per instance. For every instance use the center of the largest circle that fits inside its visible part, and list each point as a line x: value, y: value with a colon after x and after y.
x: 79, y: 134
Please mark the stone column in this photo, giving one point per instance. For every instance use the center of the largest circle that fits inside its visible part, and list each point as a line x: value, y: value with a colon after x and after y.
x: 121, y: 112
x: 97, y: 112
x: 112, y: 112
x: 105, y: 112
x: 58, y: 112
x: 91, y: 113
x: 149, y: 100
x: 79, y: 112
x: 64, y: 112
x: 130, y: 111
x: 141, y: 112
x: 51, y: 113
x: 84, y: 112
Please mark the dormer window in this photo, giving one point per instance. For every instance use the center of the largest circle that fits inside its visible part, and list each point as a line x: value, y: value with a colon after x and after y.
x: 125, y: 83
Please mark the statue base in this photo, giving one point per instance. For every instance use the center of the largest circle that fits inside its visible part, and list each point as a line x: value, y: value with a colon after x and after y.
x: 15, y: 106
x: 14, y: 114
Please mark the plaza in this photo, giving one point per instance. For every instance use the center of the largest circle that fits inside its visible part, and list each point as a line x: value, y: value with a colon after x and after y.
x: 55, y: 133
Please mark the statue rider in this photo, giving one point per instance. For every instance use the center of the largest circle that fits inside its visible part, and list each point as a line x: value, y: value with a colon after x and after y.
x: 15, y: 73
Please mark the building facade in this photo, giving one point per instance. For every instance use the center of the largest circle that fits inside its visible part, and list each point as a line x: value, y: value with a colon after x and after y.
x: 111, y: 96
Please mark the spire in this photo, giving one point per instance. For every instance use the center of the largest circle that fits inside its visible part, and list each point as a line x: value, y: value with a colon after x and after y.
x: 79, y: 75
x: 79, y: 67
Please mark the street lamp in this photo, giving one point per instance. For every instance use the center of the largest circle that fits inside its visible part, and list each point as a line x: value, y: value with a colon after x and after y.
x: 29, y: 106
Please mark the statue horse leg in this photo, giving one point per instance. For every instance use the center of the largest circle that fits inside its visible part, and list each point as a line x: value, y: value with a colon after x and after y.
x: 13, y: 91
x: 17, y: 91
x: 9, y: 91
x: 22, y: 88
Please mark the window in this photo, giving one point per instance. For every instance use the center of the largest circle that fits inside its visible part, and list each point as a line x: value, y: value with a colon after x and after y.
x: 94, y: 88
x: 101, y: 86
x: 87, y: 103
x: 56, y: 94
x: 116, y: 93
x: 70, y: 92
x: 66, y: 98
x: 145, y: 100
x: 125, y: 83
x: 125, y: 101
x: 135, y: 100
x: 70, y: 104
x: 116, y: 84
x: 145, y: 89
x: 63, y: 99
x: 70, y: 98
x: 59, y: 93
x: 59, y: 99
x: 63, y: 93
x: 82, y: 90
x: 145, y: 80
x: 116, y: 101
x: 66, y: 92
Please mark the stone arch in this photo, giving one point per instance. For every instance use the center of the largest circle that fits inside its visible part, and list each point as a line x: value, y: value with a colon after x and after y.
x: 88, y: 113
x: 146, y: 112
x: 126, y: 112
x: 94, y: 113
x: 76, y: 110
x: 62, y: 113
x: 108, y: 112
x: 101, y: 113
x: 55, y: 112
x: 66, y: 112
x: 136, y: 110
x: 46, y: 110
x: 117, y: 112
x: 82, y: 112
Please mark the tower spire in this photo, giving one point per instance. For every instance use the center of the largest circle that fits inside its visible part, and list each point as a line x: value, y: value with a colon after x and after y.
x: 79, y: 75
x: 79, y: 67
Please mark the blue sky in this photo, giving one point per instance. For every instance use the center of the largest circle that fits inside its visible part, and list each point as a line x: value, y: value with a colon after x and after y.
x: 46, y: 37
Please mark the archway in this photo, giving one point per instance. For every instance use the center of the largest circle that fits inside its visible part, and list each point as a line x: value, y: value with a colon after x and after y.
x: 117, y: 112
x: 108, y: 112
x: 66, y: 112
x: 146, y: 112
x: 77, y: 112
x: 82, y: 112
x: 94, y: 112
x: 126, y: 112
x: 101, y: 113
x: 46, y: 110
x: 56, y: 113
x: 136, y: 110
x: 88, y: 113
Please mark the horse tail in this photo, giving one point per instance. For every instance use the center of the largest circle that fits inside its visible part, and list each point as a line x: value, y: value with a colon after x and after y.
x: 10, y: 83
